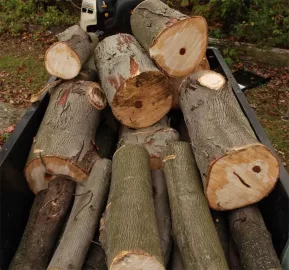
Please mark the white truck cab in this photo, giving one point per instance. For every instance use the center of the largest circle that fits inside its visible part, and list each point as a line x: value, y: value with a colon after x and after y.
x: 88, y: 17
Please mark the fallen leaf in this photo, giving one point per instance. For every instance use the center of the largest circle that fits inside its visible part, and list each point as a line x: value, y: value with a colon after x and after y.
x: 9, y: 129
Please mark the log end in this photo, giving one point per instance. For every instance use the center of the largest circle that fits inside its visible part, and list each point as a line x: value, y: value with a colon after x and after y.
x: 241, y: 177
x: 61, y: 61
x: 212, y: 80
x: 180, y: 47
x: 38, y: 180
x: 96, y: 96
x: 143, y: 100
x: 135, y: 260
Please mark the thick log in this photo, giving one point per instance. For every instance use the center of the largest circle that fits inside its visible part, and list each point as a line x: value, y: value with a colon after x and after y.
x: 155, y: 139
x: 163, y: 212
x: 63, y: 144
x: 84, y: 218
x: 193, y: 229
x: 252, y: 239
x: 65, y: 58
x: 129, y: 232
x: 138, y: 93
x: 177, y: 43
x: 44, y: 225
x: 236, y: 169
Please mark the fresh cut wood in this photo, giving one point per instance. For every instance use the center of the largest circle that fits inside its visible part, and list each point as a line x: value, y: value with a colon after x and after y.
x: 236, y: 169
x: 44, y: 226
x: 84, y: 218
x: 253, y: 240
x: 177, y: 43
x: 163, y: 212
x: 138, y: 93
x: 193, y: 230
x: 63, y: 144
x: 129, y: 231
x: 65, y: 58
x: 154, y: 138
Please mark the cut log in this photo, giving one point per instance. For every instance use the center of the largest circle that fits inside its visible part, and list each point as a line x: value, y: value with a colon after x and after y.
x: 65, y: 58
x: 44, y: 225
x: 63, y: 144
x: 177, y: 43
x: 234, y: 258
x: 236, y: 169
x: 87, y: 74
x: 138, y: 93
x: 84, y: 218
x: 176, y: 82
x: 129, y: 232
x: 177, y: 261
x: 252, y: 239
x: 155, y: 139
x: 96, y: 258
x: 163, y: 212
x: 193, y: 231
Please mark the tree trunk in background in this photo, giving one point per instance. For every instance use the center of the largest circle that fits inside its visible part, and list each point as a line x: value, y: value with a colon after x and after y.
x: 176, y: 42
x: 252, y: 239
x: 155, y: 139
x: 129, y: 232
x: 193, y: 228
x: 84, y: 218
x: 43, y: 230
x: 138, y: 93
x: 65, y: 58
x: 163, y: 212
x: 63, y: 143
x: 236, y: 169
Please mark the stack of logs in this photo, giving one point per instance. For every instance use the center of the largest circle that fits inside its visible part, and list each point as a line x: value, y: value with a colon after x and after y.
x: 149, y: 208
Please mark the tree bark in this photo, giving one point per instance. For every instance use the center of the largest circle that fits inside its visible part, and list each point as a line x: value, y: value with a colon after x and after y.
x: 163, y: 212
x: 193, y: 228
x: 84, y: 218
x: 129, y: 232
x: 236, y: 169
x: 252, y: 239
x: 65, y: 58
x: 138, y: 93
x: 44, y: 226
x: 63, y: 144
x: 155, y: 139
x: 177, y: 43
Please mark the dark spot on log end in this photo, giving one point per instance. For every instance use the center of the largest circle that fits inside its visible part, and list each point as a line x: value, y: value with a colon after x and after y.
x: 256, y: 169
x: 242, y: 180
x: 182, y: 51
x: 138, y: 104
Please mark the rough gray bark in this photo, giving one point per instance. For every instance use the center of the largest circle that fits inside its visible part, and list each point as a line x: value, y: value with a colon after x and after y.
x: 253, y: 240
x: 64, y: 139
x: 193, y: 228
x: 129, y: 232
x: 163, y: 212
x: 138, y: 93
x: 65, y: 58
x: 236, y: 169
x: 37, y: 247
x: 84, y: 218
x: 154, y: 138
x: 176, y: 42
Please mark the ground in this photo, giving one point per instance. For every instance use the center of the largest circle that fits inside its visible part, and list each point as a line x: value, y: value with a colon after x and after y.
x: 22, y: 73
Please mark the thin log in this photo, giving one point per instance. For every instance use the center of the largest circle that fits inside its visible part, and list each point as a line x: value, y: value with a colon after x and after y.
x: 163, y: 212
x: 193, y: 229
x: 253, y: 240
x: 155, y: 139
x: 129, y: 232
x: 138, y: 93
x: 84, y: 218
x: 65, y: 58
x: 236, y: 169
x: 44, y: 226
x: 63, y: 144
x: 177, y: 43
